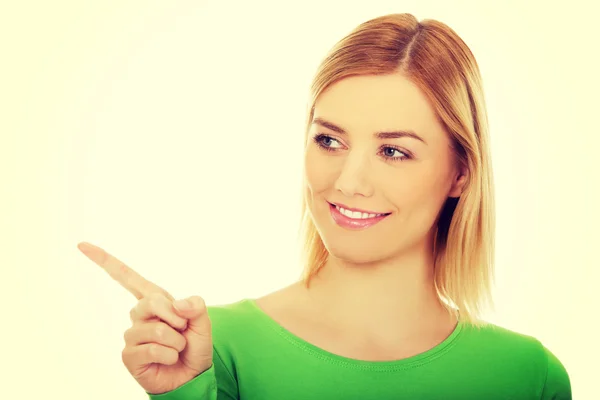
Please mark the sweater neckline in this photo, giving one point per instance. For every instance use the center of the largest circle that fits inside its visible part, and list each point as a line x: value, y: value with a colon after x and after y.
x: 404, y: 363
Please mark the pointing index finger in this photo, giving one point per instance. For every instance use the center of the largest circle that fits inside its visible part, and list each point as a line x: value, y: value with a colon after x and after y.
x: 119, y: 271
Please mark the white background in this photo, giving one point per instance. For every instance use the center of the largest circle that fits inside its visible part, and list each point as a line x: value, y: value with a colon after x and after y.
x: 170, y: 133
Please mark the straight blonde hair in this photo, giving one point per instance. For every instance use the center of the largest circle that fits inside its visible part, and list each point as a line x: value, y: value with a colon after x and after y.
x: 437, y: 60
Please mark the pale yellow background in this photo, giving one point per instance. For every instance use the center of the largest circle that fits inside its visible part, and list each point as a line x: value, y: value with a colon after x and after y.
x: 170, y: 133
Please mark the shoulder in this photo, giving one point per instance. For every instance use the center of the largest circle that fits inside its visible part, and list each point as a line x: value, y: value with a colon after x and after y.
x: 489, y: 334
x: 527, y: 354
x: 558, y: 382
x: 231, y: 316
x: 234, y: 329
x: 240, y: 326
x: 251, y: 315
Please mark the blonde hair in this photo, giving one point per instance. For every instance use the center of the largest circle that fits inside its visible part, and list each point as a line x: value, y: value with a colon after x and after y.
x: 437, y: 60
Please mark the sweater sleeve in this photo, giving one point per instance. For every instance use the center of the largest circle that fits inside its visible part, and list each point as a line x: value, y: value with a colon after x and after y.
x: 558, y: 383
x: 216, y: 383
x: 202, y: 387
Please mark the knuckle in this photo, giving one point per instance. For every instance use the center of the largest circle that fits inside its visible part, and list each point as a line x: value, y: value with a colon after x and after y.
x: 161, y: 331
x: 153, y: 350
x: 136, y: 311
x: 155, y: 300
x: 125, y: 354
x: 132, y: 335
x: 156, y: 296
x: 132, y: 313
x: 127, y: 335
x: 123, y: 269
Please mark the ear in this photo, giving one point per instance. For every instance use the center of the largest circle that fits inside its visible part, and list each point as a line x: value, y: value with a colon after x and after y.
x: 458, y: 183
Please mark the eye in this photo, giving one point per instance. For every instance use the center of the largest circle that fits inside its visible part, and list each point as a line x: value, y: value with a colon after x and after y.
x: 327, y: 142
x: 394, y: 153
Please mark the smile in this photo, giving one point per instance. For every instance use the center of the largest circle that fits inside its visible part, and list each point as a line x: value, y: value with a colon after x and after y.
x: 355, y: 219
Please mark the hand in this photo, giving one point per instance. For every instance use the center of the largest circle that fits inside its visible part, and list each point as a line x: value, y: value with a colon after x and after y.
x: 166, y: 345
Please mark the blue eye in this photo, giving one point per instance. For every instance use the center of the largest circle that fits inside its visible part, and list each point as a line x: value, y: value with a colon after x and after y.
x: 325, y: 142
x: 390, y: 153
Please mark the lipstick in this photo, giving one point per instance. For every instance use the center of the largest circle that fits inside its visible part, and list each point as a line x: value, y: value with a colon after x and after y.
x: 358, y: 219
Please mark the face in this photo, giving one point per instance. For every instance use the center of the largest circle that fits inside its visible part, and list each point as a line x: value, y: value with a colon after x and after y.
x: 378, y: 167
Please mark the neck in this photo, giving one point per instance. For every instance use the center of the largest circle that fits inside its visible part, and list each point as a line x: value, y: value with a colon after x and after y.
x: 395, y: 295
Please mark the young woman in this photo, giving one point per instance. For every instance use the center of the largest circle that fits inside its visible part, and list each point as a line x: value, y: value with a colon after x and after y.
x: 398, y: 221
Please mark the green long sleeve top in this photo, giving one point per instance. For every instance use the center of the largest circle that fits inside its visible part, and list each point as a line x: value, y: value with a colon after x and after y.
x: 255, y: 358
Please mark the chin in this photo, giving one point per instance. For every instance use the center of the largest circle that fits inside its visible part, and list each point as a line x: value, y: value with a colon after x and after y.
x: 354, y: 252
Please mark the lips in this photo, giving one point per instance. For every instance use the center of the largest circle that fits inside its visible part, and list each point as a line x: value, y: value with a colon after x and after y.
x: 360, y: 219
x: 357, y: 210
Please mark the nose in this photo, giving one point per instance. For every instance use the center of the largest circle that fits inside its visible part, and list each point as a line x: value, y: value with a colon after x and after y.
x: 354, y: 176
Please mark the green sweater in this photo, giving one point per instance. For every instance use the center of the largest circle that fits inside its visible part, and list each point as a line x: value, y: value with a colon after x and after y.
x: 255, y: 358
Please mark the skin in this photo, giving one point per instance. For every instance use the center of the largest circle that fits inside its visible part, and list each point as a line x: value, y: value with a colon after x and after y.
x: 169, y: 341
x: 376, y: 291
x: 374, y: 299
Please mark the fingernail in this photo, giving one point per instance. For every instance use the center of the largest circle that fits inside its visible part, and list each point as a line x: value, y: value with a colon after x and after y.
x: 182, y: 305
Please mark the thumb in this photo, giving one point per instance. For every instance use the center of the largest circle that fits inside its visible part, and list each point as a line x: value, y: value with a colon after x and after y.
x: 198, y: 351
x: 194, y: 310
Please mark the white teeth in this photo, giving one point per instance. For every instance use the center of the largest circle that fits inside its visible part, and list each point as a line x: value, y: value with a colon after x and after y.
x: 356, y: 214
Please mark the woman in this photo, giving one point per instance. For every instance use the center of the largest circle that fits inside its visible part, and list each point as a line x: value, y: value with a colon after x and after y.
x: 398, y: 224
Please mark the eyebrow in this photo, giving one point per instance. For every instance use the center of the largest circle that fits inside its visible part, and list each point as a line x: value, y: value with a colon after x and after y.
x: 380, y: 135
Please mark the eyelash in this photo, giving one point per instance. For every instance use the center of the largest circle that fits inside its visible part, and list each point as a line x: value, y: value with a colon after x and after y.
x: 318, y: 139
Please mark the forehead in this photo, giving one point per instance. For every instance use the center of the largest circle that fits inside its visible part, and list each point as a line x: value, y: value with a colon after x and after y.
x: 372, y: 103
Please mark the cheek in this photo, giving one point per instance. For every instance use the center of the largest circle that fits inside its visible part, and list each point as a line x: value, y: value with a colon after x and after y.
x: 420, y: 192
x: 319, y: 170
